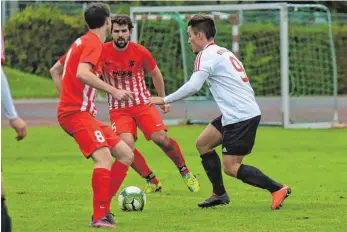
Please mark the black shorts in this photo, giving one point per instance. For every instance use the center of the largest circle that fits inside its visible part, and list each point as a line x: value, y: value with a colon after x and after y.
x: 238, y: 138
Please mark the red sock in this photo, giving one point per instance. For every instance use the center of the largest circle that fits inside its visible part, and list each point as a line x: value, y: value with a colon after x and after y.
x: 142, y: 168
x: 140, y: 165
x: 118, y: 173
x: 173, y: 151
x: 101, y: 187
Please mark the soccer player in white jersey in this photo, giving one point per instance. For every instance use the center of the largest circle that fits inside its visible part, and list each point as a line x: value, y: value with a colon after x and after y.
x: 236, y: 128
x: 18, y: 124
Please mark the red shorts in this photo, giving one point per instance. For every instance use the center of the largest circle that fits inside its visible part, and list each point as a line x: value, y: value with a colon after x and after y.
x: 146, y: 117
x: 89, y: 133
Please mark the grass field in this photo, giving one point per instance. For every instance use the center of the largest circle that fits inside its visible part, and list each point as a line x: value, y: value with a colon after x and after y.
x: 47, y: 184
x: 25, y: 85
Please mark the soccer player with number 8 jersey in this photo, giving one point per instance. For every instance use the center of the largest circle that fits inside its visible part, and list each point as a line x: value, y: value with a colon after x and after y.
x: 236, y: 128
x: 124, y: 64
x: 76, y: 112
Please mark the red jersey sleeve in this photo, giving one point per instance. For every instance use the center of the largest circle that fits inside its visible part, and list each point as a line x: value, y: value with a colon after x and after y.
x: 91, y: 54
x: 62, y: 59
x: 148, y: 60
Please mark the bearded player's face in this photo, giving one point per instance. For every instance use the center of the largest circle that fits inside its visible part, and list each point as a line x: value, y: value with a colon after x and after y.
x: 120, y: 35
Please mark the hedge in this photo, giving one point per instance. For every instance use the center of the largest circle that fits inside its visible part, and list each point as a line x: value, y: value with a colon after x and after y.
x: 260, y: 54
x: 38, y: 36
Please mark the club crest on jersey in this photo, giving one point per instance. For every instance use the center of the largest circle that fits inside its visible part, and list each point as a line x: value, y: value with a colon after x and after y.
x: 131, y: 63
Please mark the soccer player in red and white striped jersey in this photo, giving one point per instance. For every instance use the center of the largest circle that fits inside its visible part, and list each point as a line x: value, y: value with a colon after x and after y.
x: 76, y: 112
x: 124, y: 65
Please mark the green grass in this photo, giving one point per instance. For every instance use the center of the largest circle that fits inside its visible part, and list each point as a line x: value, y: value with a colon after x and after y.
x: 24, y: 85
x: 47, y: 185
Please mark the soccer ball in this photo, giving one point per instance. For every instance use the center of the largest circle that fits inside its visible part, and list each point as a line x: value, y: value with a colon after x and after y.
x: 132, y: 199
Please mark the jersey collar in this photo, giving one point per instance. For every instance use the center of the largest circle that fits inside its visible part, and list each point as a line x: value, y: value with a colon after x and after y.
x: 209, y: 44
x: 92, y: 33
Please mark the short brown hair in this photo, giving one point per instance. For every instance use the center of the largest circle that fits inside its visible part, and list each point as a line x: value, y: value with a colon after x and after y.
x: 203, y: 23
x: 96, y: 14
x: 122, y: 19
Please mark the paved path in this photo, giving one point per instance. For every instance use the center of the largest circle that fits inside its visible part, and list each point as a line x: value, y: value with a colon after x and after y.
x: 43, y: 112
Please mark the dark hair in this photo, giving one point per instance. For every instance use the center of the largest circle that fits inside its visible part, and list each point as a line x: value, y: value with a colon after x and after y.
x: 203, y: 23
x: 96, y: 14
x: 122, y: 19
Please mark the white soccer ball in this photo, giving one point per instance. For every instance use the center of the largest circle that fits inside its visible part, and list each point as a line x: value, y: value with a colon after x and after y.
x: 132, y: 199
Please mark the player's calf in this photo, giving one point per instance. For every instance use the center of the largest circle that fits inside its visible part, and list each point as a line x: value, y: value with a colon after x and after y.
x: 171, y: 149
x: 141, y: 167
x: 213, y: 168
x: 161, y: 138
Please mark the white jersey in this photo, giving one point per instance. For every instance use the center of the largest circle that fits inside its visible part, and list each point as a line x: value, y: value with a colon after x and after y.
x: 228, y: 83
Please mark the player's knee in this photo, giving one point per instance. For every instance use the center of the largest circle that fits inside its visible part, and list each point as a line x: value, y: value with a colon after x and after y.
x: 160, y: 138
x: 130, y: 143
x: 102, y: 158
x: 199, y: 144
x: 123, y: 153
x: 129, y: 158
x: 126, y: 158
x: 202, y: 146
x: 129, y: 140
x: 231, y: 169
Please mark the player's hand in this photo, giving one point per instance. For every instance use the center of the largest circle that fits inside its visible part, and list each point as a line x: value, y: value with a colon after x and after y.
x: 121, y: 95
x: 20, y: 127
x: 156, y: 101
x: 165, y: 108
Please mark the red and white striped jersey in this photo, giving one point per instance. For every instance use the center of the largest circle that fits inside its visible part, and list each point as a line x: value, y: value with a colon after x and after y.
x: 76, y: 96
x: 125, y: 70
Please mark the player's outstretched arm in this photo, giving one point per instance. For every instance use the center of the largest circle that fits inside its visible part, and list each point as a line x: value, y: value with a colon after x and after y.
x: 57, y: 74
x: 192, y: 86
x: 158, y: 83
x: 85, y: 75
x: 9, y: 109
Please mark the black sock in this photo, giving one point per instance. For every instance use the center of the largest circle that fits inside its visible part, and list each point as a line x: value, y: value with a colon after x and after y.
x: 212, y: 165
x: 253, y: 176
x: 150, y: 177
x: 183, y: 169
